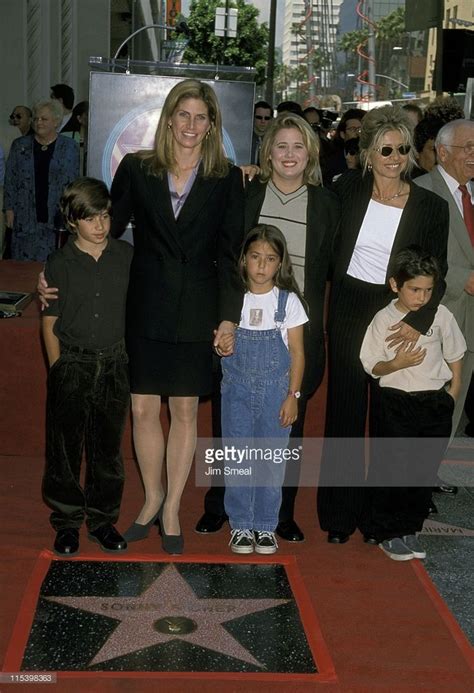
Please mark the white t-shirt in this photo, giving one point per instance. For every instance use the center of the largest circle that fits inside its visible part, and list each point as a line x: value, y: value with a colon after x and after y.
x: 372, y: 250
x: 258, y: 312
x: 444, y: 344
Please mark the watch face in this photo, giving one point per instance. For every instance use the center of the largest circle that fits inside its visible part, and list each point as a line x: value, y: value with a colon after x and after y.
x: 297, y: 395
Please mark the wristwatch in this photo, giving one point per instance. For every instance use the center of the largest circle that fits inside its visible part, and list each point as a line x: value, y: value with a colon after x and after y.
x: 294, y: 393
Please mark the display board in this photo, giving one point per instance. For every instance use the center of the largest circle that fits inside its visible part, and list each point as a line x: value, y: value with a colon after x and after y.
x: 125, y: 109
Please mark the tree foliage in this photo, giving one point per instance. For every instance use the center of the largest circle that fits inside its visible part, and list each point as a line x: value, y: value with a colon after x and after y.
x: 389, y: 28
x: 248, y: 49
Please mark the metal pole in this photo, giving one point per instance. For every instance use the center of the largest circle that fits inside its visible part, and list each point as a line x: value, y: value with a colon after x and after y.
x: 309, y: 48
x: 269, y: 96
x: 371, y: 52
x: 439, y: 52
x: 226, y: 25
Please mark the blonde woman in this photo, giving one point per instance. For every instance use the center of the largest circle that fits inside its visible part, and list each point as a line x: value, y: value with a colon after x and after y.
x: 382, y: 213
x: 184, y: 294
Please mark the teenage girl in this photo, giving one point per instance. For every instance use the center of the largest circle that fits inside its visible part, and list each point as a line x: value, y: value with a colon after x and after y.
x: 260, y: 385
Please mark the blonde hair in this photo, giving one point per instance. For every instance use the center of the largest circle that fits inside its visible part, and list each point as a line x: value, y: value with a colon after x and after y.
x: 312, y: 173
x: 376, y: 124
x: 162, y: 159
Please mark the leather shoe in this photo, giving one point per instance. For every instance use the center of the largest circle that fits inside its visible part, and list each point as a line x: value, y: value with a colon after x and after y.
x: 446, y: 488
x: 432, y: 510
x: 67, y: 542
x: 210, y: 522
x: 371, y: 539
x: 289, y: 530
x: 108, y: 538
x: 338, y: 537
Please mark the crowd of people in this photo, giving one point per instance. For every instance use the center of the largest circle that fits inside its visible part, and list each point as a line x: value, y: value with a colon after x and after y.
x: 227, y: 279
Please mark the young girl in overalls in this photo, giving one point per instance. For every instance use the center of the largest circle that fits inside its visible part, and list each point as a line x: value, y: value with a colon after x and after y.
x: 260, y: 387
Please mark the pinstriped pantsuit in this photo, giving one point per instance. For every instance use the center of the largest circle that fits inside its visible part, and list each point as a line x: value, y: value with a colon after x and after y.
x: 343, y: 502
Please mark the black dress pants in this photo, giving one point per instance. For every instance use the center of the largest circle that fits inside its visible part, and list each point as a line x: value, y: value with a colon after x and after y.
x: 413, y: 432
x: 87, y: 403
x: 341, y: 499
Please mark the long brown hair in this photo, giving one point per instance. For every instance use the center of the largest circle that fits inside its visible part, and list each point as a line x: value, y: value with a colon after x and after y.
x: 162, y: 158
x: 284, y: 278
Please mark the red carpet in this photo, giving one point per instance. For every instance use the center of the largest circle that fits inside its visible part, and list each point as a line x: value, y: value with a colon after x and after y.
x: 383, y: 624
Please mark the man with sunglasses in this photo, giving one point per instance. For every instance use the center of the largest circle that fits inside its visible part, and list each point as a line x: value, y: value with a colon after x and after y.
x: 452, y: 179
x: 21, y: 117
x: 262, y: 115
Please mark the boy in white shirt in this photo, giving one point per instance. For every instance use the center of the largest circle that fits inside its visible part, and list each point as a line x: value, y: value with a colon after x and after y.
x: 412, y: 402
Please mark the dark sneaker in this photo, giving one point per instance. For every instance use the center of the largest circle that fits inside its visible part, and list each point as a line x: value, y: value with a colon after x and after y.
x: 412, y: 543
x: 396, y: 549
x: 241, y: 541
x: 265, y: 542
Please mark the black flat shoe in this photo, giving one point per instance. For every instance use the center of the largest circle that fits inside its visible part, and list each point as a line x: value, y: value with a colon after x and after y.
x: 137, y: 532
x: 210, y: 522
x: 289, y: 531
x: 171, y: 543
x: 108, y: 538
x: 446, y: 488
x: 67, y: 542
x: 371, y: 539
x: 338, y: 537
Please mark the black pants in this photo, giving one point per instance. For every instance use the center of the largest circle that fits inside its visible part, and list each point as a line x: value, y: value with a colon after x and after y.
x: 413, y: 432
x: 87, y: 402
x: 214, y: 498
x: 341, y: 497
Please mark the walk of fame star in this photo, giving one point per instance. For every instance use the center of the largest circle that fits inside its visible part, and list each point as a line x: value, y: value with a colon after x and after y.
x: 170, y: 610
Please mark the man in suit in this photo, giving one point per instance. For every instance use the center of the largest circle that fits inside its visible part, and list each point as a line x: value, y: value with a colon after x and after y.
x: 452, y: 180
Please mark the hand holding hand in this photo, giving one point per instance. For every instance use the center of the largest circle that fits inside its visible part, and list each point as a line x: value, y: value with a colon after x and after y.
x: 224, y: 338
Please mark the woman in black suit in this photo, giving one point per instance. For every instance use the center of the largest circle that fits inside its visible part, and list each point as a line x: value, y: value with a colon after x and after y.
x: 184, y: 293
x: 288, y: 194
x: 382, y: 212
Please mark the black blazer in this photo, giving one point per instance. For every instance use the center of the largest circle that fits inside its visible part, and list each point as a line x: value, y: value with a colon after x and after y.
x: 183, y: 278
x: 322, y: 219
x: 424, y: 222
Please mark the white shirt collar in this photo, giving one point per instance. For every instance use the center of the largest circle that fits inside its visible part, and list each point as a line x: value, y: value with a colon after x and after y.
x: 453, y: 184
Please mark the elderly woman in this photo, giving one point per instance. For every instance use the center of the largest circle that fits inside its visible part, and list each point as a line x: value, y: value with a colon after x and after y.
x: 185, y: 293
x: 288, y: 194
x: 38, y: 168
x: 382, y: 212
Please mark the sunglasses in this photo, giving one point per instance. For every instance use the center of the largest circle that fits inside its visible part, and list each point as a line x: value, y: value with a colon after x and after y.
x: 386, y: 150
x: 15, y: 116
x: 262, y: 117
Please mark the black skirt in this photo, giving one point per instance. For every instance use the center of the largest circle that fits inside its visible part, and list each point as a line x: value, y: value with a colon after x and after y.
x: 171, y: 370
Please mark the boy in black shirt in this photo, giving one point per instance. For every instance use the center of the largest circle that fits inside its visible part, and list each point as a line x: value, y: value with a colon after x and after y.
x: 88, y: 386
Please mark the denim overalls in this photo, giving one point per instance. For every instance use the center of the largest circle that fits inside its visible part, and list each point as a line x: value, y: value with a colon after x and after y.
x: 254, y: 386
